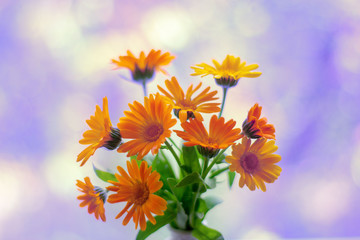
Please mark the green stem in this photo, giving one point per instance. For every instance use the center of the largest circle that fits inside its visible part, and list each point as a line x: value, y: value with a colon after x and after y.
x: 173, y: 153
x: 172, y: 141
x: 205, y: 173
x: 217, y: 172
x: 197, y: 195
x: 206, y: 162
x: 144, y: 87
x: 223, y: 101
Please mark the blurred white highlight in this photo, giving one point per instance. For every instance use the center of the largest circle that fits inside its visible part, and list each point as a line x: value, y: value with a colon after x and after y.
x: 168, y: 27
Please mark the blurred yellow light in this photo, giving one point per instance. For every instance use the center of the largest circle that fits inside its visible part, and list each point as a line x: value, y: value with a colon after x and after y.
x: 259, y: 233
x: 23, y: 190
x: 168, y: 27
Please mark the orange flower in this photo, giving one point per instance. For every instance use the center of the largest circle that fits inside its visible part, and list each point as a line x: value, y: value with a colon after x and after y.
x: 137, y: 188
x: 147, y: 125
x: 95, y: 197
x: 255, y: 163
x: 229, y: 72
x: 185, y: 107
x: 143, y: 68
x: 256, y: 127
x: 221, y: 135
x: 102, y: 134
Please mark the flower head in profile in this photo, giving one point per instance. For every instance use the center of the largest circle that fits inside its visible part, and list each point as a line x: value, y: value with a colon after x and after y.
x: 255, y: 162
x: 137, y: 189
x: 102, y: 134
x: 93, y: 197
x: 144, y: 67
x: 229, y: 72
x: 185, y: 106
x: 221, y: 135
x: 256, y: 127
x: 147, y: 125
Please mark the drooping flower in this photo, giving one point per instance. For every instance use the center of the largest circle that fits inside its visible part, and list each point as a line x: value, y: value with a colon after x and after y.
x: 255, y: 162
x: 185, y: 106
x: 102, y: 134
x: 229, y: 72
x: 148, y: 125
x: 144, y: 67
x: 221, y: 135
x: 256, y: 127
x: 137, y: 189
x: 93, y: 197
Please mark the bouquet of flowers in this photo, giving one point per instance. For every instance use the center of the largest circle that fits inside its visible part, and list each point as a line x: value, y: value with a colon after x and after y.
x: 166, y: 187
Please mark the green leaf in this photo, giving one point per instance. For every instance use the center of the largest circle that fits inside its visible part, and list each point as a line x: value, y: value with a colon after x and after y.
x: 187, y: 169
x: 206, y: 204
x: 161, y: 165
x: 161, y: 221
x: 181, y: 217
x: 221, y: 159
x: 164, y: 147
x: 178, y: 192
x: 190, y: 179
x: 202, y: 232
x: 190, y: 159
x: 231, y: 177
x: 105, y: 176
x: 218, y: 171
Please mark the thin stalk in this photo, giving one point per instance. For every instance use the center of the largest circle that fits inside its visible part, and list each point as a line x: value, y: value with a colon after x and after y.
x: 172, y: 141
x: 217, y: 172
x: 223, y: 101
x: 173, y: 153
x: 206, y: 162
x: 144, y: 86
x: 205, y: 173
x: 197, y: 195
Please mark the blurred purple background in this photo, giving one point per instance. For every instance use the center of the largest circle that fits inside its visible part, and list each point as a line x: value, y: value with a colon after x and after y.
x: 55, y: 67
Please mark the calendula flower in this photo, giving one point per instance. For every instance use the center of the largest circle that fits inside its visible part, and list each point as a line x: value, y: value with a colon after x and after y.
x: 137, y: 189
x: 143, y: 68
x: 255, y: 163
x: 256, y: 127
x: 221, y: 135
x: 102, y: 134
x: 94, y: 197
x: 184, y: 106
x: 148, y: 125
x: 229, y: 72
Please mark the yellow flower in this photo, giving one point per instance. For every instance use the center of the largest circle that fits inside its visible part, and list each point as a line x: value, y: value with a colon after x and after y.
x: 256, y: 127
x: 143, y: 68
x: 148, y: 125
x: 137, y: 189
x: 102, y: 134
x: 255, y: 163
x: 94, y: 197
x: 229, y: 72
x: 184, y: 106
x: 221, y: 135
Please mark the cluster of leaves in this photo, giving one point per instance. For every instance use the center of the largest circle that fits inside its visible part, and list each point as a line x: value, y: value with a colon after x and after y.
x: 186, y: 208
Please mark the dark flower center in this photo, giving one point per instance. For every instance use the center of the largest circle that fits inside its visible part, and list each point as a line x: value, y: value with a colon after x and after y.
x: 249, y: 162
x: 227, y: 81
x: 153, y: 132
x: 114, y: 139
x: 101, y: 192
x: 141, y: 193
x: 142, y: 74
x: 208, y: 152
x: 190, y: 114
